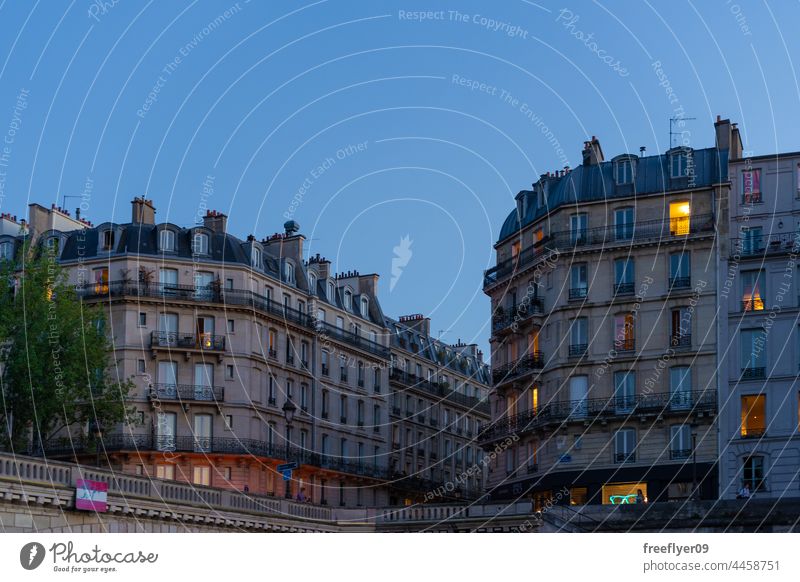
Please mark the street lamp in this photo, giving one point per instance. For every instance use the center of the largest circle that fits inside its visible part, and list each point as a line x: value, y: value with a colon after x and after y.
x: 288, y: 413
x: 694, y: 462
x: 97, y: 432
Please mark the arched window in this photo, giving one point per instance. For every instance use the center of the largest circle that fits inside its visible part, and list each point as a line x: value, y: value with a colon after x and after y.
x: 6, y: 251
x: 166, y: 240
x: 288, y: 272
x: 200, y: 243
x: 331, y: 291
x: 364, y: 307
x: 348, y: 299
x: 312, y: 282
x: 255, y: 258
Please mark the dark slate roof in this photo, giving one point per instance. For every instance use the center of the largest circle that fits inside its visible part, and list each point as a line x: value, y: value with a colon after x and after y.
x: 588, y: 183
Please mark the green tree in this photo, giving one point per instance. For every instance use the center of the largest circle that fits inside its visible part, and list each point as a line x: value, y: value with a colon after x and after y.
x: 56, y: 355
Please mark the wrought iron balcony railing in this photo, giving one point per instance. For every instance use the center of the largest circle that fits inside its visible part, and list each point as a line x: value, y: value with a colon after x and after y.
x: 625, y: 457
x: 681, y: 340
x: 669, y: 230
x: 678, y: 403
x: 525, y: 364
x: 578, y: 350
x: 680, y: 454
x: 767, y: 244
x: 354, y: 339
x: 625, y: 345
x: 516, y: 315
x: 187, y: 392
x: 196, y: 341
x: 680, y: 282
x: 578, y: 293
x: 116, y: 442
x: 756, y: 373
x: 438, y: 390
x: 623, y: 288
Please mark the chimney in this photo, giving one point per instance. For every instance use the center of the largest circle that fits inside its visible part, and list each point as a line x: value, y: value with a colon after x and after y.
x: 323, y: 265
x: 143, y: 211
x: 368, y: 284
x: 592, y: 152
x: 417, y: 322
x: 289, y: 244
x: 215, y: 221
x: 728, y: 138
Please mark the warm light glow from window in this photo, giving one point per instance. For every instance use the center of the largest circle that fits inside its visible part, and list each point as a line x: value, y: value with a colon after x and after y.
x: 535, y: 398
x: 679, y: 217
x: 623, y: 493
x: 753, y: 415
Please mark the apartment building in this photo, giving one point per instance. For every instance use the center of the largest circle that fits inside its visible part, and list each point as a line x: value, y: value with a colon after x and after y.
x: 439, y: 404
x: 759, y: 300
x: 603, y: 330
x: 244, y: 357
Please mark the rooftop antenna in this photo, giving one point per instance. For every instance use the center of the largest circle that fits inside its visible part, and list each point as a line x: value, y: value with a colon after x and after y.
x: 672, y: 121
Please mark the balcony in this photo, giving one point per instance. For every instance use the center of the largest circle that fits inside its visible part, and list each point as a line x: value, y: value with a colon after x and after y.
x: 590, y: 409
x: 625, y: 345
x: 532, y: 467
x: 197, y: 341
x: 437, y: 389
x: 625, y: 457
x: 680, y: 454
x: 623, y: 288
x: 753, y: 304
x: 273, y: 353
x: 754, y: 373
x: 526, y: 364
x: 578, y: 350
x: 765, y: 245
x: 680, y: 341
x: 194, y: 294
x: 186, y: 392
x: 680, y: 282
x: 509, y: 319
x: 327, y: 330
x: 576, y: 293
x: 753, y: 432
x: 644, y: 232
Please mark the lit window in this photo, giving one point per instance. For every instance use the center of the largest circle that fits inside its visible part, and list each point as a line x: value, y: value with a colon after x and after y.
x: 751, y: 186
x: 679, y: 217
x: 165, y: 471
x: 624, y: 332
x: 202, y: 475
x: 753, y: 415
x: 101, y: 281
x: 752, y: 291
x: 166, y: 240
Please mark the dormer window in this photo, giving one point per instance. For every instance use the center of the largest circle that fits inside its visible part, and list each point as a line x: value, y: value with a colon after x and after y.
x: 679, y: 163
x: 331, y: 291
x: 364, y: 308
x: 288, y: 272
x: 166, y: 241
x: 623, y: 172
x: 348, y: 299
x: 255, y: 258
x: 200, y: 243
x: 312, y: 282
x: 53, y: 243
x: 107, y: 238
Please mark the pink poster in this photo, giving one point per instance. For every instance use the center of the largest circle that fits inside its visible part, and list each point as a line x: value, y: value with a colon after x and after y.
x: 91, y: 495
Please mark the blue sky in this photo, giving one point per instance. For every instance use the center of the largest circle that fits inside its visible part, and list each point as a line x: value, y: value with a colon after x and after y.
x: 365, y: 122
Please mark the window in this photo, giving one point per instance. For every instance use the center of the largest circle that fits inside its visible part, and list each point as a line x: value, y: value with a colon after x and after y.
x: 624, y: 172
x: 142, y: 319
x: 578, y: 394
x: 6, y: 251
x: 753, y: 353
x: 229, y: 422
x: 348, y: 299
x: 753, y: 291
x: 325, y: 362
x: 751, y: 186
x: 679, y: 270
x: 376, y: 379
x: 680, y: 443
x: 255, y: 258
x: 201, y: 475
x: 271, y: 391
x: 578, y: 227
x: 578, y: 336
x: 343, y: 408
x: 288, y: 272
x: 680, y: 328
x: 107, y: 240
x: 200, y: 243
x: 360, y: 412
x: 100, y: 281
x: 376, y: 417
x: 360, y: 374
x: 752, y: 240
x: 166, y: 240
x: 623, y: 276
x: 753, y: 472
x: 141, y: 366
x: 365, y: 308
x: 331, y: 291
x: 231, y: 326
x: 623, y: 223
x: 579, y: 281
x: 229, y: 372
x: 304, y: 397
x: 312, y: 283
x: 625, y: 445
x: 624, y: 337
x: 680, y: 387
x: 165, y: 471
x: 624, y: 390
x: 753, y: 415
x: 168, y: 279
x: 679, y: 164
x: 679, y: 216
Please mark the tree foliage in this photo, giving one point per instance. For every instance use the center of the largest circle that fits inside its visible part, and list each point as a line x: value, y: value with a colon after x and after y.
x: 57, y: 368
